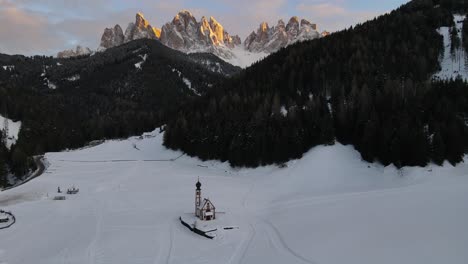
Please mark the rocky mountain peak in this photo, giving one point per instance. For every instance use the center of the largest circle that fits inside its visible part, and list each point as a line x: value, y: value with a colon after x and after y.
x: 186, y: 34
x: 140, y: 20
x: 78, y: 51
x: 294, y: 20
x: 281, y: 24
x: 157, y: 32
x: 112, y: 37
x: 183, y: 20
x: 256, y: 41
x: 264, y: 27
x: 232, y: 41
x: 293, y: 27
x: 213, y: 21
x: 305, y: 23
x: 269, y: 40
x: 140, y: 29
x: 185, y: 14
x: 218, y: 31
x: 205, y: 25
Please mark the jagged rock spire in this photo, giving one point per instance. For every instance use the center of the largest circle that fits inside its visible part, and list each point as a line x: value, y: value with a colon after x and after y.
x: 268, y: 40
x: 186, y: 33
x: 140, y: 29
x: 112, y: 37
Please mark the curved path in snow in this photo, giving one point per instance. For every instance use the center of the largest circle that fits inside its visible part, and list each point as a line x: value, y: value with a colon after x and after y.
x: 11, y: 222
x: 39, y: 171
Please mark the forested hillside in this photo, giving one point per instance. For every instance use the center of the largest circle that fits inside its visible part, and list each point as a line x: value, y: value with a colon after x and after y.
x: 370, y: 86
x: 127, y: 90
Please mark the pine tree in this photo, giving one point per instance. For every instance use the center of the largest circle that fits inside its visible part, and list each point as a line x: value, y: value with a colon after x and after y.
x: 3, y: 170
x: 19, y: 162
x: 438, y: 148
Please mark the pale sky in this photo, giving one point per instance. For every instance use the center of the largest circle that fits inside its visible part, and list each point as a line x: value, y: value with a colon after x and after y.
x: 46, y: 26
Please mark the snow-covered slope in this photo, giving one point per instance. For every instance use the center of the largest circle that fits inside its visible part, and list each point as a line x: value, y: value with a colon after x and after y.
x: 244, y: 58
x: 454, y: 64
x: 328, y: 207
x: 13, y: 131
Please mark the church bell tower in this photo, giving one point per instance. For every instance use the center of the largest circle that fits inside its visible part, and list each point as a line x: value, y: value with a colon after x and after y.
x: 197, y: 198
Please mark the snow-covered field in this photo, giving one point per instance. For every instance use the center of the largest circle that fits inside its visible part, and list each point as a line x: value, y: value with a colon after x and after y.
x: 328, y: 207
x: 13, y: 130
x: 453, y: 64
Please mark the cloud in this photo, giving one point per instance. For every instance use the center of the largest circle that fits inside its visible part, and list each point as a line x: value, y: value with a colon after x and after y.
x: 332, y: 16
x: 60, y: 24
x: 29, y: 29
x: 48, y: 26
x: 24, y: 32
x: 65, y: 8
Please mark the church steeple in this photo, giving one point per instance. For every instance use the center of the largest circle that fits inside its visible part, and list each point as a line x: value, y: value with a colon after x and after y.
x: 205, y: 210
x: 198, y: 185
x: 197, y: 197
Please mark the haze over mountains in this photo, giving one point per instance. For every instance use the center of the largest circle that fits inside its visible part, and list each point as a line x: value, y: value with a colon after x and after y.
x: 187, y: 34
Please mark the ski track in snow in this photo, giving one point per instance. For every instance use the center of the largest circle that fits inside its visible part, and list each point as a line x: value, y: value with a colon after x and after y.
x: 171, y: 242
x: 279, y: 242
x: 239, y: 256
x: 91, y: 250
x: 165, y: 251
x: 317, y: 200
x: 127, y: 212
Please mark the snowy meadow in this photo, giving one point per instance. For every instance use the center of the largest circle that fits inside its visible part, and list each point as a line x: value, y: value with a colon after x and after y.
x: 328, y: 207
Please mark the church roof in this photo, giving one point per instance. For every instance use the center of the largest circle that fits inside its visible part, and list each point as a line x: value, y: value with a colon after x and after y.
x: 206, y: 202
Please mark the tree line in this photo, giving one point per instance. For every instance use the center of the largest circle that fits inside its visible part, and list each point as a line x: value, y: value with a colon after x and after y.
x: 369, y: 86
x: 110, y: 98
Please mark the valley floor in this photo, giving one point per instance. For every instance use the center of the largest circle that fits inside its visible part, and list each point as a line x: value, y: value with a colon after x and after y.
x: 328, y: 207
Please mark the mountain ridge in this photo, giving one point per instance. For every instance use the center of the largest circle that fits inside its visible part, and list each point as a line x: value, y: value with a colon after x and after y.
x: 122, y: 91
x: 370, y: 86
x: 272, y: 39
x: 189, y: 35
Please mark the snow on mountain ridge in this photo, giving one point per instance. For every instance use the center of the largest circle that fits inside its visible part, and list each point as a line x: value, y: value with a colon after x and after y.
x: 272, y: 39
x: 78, y: 51
x: 186, y: 34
